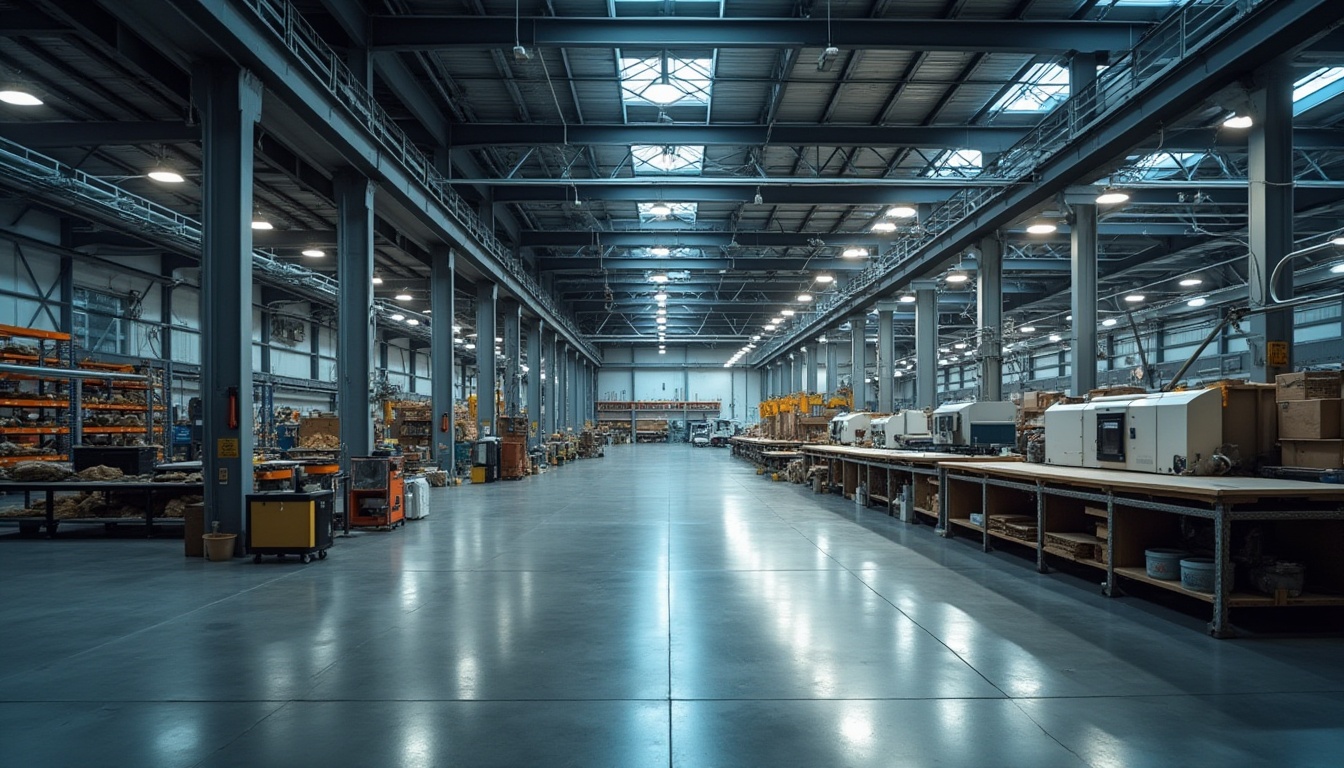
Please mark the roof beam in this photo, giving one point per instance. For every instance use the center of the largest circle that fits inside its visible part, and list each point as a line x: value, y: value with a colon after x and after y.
x: 773, y: 192
x: 746, y: 264
x: 534, y: 238
x: 429, y: 32
x: 47, y: 135
x: 984, y: 138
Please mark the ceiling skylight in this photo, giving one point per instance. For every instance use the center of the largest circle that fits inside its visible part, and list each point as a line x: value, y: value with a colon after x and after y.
x: 1165, y: 165
x: 667, y: 212
x: 956, y: 164
x: 1317, y: 88
x: 661, y: 159
x: 1043, y: 87
x: 666, y: 80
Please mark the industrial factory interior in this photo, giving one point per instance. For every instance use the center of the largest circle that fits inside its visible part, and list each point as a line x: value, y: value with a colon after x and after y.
x: 686, y: 383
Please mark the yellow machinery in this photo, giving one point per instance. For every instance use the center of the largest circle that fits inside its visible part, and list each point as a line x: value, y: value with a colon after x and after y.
x: 289, y: 523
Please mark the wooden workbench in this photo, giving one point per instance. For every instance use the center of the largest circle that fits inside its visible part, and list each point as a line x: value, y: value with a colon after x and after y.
x: 1297, y: 521
x: 753, y: 449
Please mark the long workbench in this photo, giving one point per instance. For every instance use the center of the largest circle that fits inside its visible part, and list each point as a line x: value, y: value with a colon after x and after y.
x: 1295, y: 521
x: 49, y: 489
x: 753, y: 449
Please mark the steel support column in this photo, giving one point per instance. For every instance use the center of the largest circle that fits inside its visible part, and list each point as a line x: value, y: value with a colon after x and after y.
x: 354, y: 312
x: 1270, y: 169
x: 858, y: 359
x: 810, y: 372
x: 512, y: 313
x: 832, y: 366
x: 552, y: 395
x: 989, y: 296
x: 571, y: 387
x: 796, y: 372
x: 534, y: 369
x: 926, y: 344
x: 229, y: 100
x: 487, y: 297
x: 1083, y: 256
x: 886, y: 348
x: 442, y: 300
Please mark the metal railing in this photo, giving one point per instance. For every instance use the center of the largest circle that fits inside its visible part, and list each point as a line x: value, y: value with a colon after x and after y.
x: 103, y: 200
x: 326, y: 66
x: 1184, y: 32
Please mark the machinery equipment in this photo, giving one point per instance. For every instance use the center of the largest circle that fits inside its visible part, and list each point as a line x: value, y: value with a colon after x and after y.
x: 512, y: 447
x: 290, y: 523
x: 377, y: 492
x: 700, y: 434
x: 1170, y: 433
x: 723, y: 430
x: 849, y: 428
x: 417, y: 498
x: 485, y: 460
x: 879, y: 434
x: 977, y: 427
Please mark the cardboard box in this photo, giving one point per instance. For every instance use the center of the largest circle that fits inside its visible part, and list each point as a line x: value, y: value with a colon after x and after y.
x: 1314, y: 454
x: 1307, y: 385
x: 1309, y: 420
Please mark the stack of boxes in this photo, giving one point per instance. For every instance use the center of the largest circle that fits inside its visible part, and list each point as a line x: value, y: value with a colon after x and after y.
x: 1311, y: 421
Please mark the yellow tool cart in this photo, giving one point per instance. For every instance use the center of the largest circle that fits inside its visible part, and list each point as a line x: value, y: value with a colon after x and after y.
x: 289, y: 523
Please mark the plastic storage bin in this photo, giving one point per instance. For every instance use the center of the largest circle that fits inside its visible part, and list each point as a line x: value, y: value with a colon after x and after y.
x: 1164, y: 564
x: 1197, y: 574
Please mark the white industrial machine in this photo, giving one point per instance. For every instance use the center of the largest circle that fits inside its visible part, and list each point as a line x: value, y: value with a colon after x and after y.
x: 722, y: 431
x: 1169, y: 433
x: 850, y: 428
x: 417, y: 498
x: 700, y: 433
x: 877, y: 433
x: 975, y: 426
x: 900, y: 430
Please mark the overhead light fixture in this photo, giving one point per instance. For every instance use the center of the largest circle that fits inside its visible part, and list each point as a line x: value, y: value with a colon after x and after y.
x: 757, y: 337
x: 804, y: 297
x: 377, y: 280
x: 901, y: 212
x: 1054, y: 337
x: 1190, y: 282
x: 824, y: 279
x: 660, y: 210
x: 429, y: 311
x: 658, y: 277
x: 821, y: 339
x: 315, y: 253
x: 469, y: 345
x: 398, y: 316
x: 769, y: 326
x: 499, y: 340
x: 19, y: 95
x: 899, y: 374
x: 1337, y: 241
x: 758, y: 200
x: 959, y: 345
x: 658, y: 250
x: 1108, y: 322
x: 776, y: 320
x: 260, y: 223
x: 1338, y: 269
x: 855, y: 253
x: 1042, y: 227
x: 165, y: 174
x: 660, y: 296
x: 1135, y: 298
x: 907, y: 298
x: 660, y: 311
x: 662, y: 351
x: 457, y: 329
x: 957, y: 277
x: 1112, y: 196
x: 1238, y: 121
x: 1198, y: 301
x: 403, y: 296
x: 1027, y: 329
x: 412, y: 321
x: 751, y: 346
x: 787, y: 312
x: 883, y: 226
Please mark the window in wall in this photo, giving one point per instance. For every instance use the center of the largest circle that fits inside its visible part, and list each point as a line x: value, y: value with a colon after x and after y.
x: 100, y: 324
x: 956, y: 164
x: 664, y: 159
x: 1043, y: 87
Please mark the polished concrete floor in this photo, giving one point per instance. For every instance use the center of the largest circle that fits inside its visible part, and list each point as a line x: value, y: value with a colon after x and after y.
x: 661, y: 606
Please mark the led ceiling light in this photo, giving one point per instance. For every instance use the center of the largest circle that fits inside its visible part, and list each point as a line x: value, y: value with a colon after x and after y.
x: 907, y: 298
x: 1198, y: 301
x: 884, y: 226
x: 499, y: 340
x: 660, y: 311
x: 165, y: 174
x: 901, y: 212
x: 260, y: 223
x: 1108, y: 322
x: 1135, y: 298
x: 1238, y: 121
x: 377, y: 280
x: 660, y: 296
x: 776, y: 320
x: 769, y: 326
x: 457, y: 329
x: 658, y: 277
x: 403, y: 296
x: 1112, y: 196
x: 959, y: 345
x: 469, y: 345
x: 1190, y: 282
x: 1054, y: 337
x: 958, y: 277
x: 1027, y: 329
x: 1042, y: 227
x: 1338, y: 269
x: 412, y: 321
x: 429, y: 311
x: 662, y: 351
x: 19, y: 95
x: 804, y: 297
x: 757, y: 337
x: 397, y: 316
x: 315, y: 253
x: 823, y: 279
x: 1337, y: 241
x: 787, y: 312
x: 658, y: 250
x: 855, y: 253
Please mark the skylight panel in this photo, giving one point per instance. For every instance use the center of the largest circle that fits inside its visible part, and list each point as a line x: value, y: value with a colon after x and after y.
x: 1163, y: 165
x: 665, y: 81
x: 664, y: 159
x: 956, y: 164
x: 660, y: 211
x: 1044, y: 87
x: 1317, y: 88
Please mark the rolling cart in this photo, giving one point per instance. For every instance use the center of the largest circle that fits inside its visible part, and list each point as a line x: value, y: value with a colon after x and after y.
x: 289, y: 523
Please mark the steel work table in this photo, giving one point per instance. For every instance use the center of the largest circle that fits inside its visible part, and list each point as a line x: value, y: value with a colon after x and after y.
x: 51, y: 488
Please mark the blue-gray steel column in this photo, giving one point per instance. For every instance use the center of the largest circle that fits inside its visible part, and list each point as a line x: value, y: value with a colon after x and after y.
x: 926, y: 345
x: 886, y: 347
x: 858, y: 356
x: 1270, y: 168
x: 229, y: 100
x: 811, y: 371
x: 1082, y: 74
x: 534, y: 422
x: 563, y: 370
x: 487, y: 296
x: 553, y: 384
x: 832, y: 366
x: 796, y: 370
x: 512, y: 313
x: 1083, y: 256
x: 354, y: 312
x: 442, y: 298
x: 989, y: 314
x: 571, y: 387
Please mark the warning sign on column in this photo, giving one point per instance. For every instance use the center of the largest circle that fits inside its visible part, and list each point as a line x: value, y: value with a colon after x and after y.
x: 226, y: 448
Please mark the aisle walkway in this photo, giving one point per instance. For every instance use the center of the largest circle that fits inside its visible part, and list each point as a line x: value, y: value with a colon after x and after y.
x: 664, y: 605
